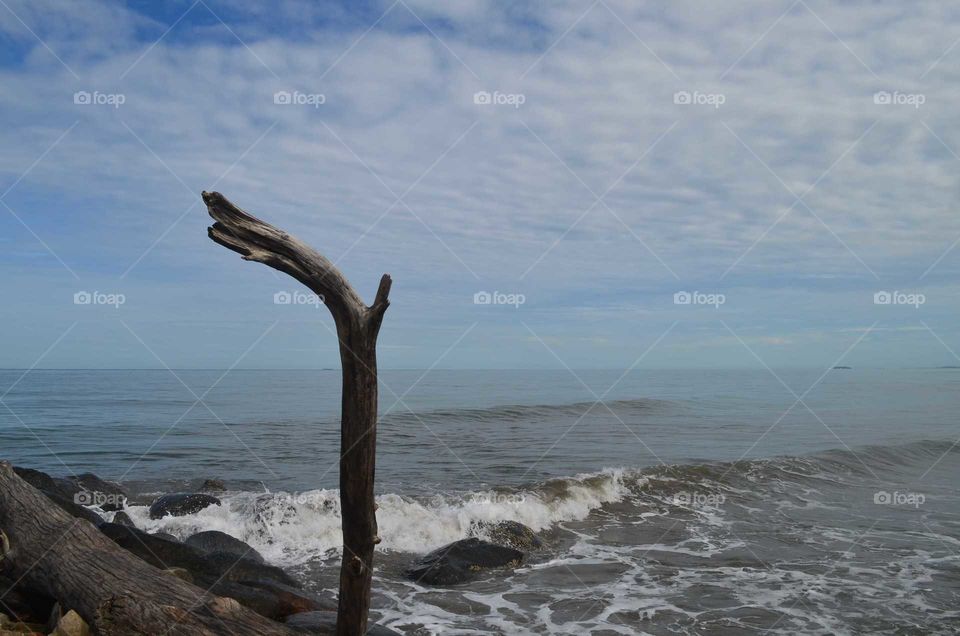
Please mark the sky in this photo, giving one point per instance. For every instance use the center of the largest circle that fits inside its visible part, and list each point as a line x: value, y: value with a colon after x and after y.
x: 790, y: 168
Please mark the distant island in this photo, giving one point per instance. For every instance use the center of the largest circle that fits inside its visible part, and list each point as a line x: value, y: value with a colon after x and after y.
x: 842, y: 367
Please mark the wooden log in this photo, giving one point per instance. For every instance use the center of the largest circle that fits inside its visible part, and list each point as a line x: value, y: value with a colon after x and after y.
x: 358, y: 326
x: 116, y: 593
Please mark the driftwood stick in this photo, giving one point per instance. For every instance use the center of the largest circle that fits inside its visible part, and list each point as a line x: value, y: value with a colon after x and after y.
x: 115, y: 592
x: 357, y: 328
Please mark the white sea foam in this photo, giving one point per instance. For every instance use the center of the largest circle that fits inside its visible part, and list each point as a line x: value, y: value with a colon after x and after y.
x: 295, y: 528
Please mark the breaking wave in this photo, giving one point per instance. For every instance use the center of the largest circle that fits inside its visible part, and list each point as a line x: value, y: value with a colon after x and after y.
x: 294, y: 528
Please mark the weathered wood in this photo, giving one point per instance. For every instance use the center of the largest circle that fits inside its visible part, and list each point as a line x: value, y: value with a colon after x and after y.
x: 116, y: 593
x: 357, y: 329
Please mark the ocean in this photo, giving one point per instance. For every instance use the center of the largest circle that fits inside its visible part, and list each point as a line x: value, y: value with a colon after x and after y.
x: 671, y: 501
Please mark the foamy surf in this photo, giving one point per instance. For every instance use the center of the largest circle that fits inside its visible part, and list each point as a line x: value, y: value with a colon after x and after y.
x: 295, y: 528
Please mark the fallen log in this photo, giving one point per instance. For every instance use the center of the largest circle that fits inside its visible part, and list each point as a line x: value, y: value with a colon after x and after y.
x: 115, y: 592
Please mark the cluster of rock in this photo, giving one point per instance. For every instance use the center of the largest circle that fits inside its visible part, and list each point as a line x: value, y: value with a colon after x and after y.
x: 229, y: 567
x: 213, y: 560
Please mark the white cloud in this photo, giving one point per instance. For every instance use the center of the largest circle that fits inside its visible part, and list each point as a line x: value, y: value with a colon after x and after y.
x: 500, y: 198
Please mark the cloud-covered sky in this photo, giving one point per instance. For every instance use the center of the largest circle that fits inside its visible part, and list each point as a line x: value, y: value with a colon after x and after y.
x: 790, y: 159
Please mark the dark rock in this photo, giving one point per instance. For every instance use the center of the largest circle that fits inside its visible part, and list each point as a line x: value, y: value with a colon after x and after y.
x: 62, y: 492
x: 213, y: 485
x: 75, y: 509
x: 511, y: 534
x: 267, y: 598
x: 157, y: 551
x: 231, y: 568
x: 22, y: 603
x: 50, y: 485
x: 106, y: 494
x: 123, y: 519
x: 162, y: 553
x: 215, y: 541
x: 290, y: 600
x: 326, y: 623
x: 181, y: 504
x: 260, y: 601
x: 273, y: 600
x: 462, y: 561
x: 166, y: 536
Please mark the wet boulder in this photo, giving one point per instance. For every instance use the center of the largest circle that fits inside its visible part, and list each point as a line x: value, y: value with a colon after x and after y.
x: 75, y: 509
x: 62, y: 492
x: 288, y: 599
x: 326, y: 623
x: 180, y: 504
x: 49, y: 485
x: 123, y: 519
x: 204, y: 568
x: 511, y: 534
x: 106, y: 494
x: 213, y: 541
x: 157, y: 551
x: 213, y: 485
x: 232, y: 568
x: 22, y: 602
x: 272, y: 600
x: 462, y: 561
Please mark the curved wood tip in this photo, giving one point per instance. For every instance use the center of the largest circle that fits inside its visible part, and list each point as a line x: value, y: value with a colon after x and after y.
x: 225, y: 211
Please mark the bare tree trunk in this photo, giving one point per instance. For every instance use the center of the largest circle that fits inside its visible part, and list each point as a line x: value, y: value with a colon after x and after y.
x: 357, y: 328
x: 115, y: 592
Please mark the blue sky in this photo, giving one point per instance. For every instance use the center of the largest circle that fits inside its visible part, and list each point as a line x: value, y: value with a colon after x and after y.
x: 788, y: 187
